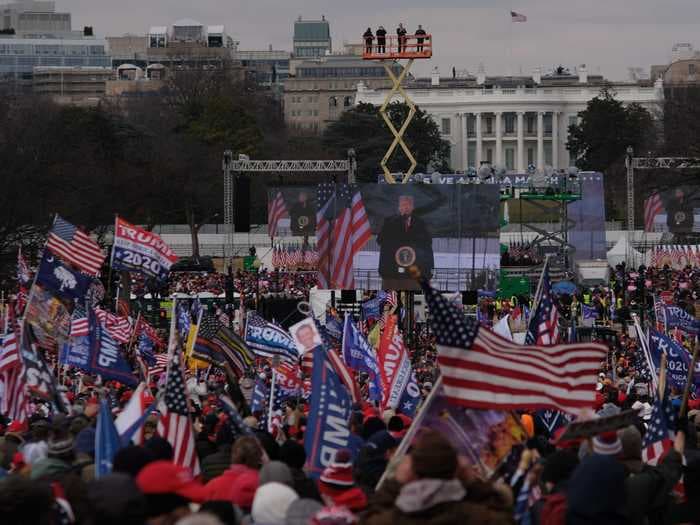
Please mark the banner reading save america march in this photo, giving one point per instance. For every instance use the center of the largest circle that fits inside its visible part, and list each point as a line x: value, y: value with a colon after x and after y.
x: 138, y: 250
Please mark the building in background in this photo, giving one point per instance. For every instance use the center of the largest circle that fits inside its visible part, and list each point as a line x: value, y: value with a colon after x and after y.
x: 267, y: 68
x: 513, y: 122
x: 322, y: 89
x: 312, y: 38
x: 35, y: 35
x: 72, y: 85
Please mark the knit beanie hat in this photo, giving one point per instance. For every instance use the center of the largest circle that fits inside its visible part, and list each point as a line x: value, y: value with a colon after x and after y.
x: 607, y: 444
x: 339, y: 472
x: 433, y: 456
x: 302, y: 510
x: 60, y: 446
x: 271, y: 503
x: 631, y: 441
x: 276, y: 471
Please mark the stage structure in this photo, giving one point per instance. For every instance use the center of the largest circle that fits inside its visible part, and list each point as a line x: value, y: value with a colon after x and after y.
x: 390, y: 50
x: 651, y: 163
x: 233, y: 168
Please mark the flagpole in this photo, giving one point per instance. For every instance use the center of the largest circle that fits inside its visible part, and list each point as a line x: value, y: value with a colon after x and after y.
x: 272, y: 397
x: 538, y: 293
x: 689, y: 379
x: 133, y: 334
x: 171, y: 340
x: 111, y: 259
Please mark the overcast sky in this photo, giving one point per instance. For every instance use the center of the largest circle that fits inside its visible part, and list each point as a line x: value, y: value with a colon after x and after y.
x: 607, y: 35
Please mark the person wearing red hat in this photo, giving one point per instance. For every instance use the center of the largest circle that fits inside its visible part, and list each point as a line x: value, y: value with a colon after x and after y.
x: 169, y: 489
x: 239, y: 483
x: 337, y: 485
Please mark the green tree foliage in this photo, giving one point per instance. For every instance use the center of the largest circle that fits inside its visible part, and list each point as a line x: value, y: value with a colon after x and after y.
x: 363, y: 129
x: 605, y: 130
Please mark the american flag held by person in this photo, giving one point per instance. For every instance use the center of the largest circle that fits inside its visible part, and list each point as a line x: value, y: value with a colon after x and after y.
x: 481, y: 369
x: 544, y: 325
x: 75, y: 247
x: 659, y: 436
x: 13, y: 402
x: 175, y: 424
x: 342, y: 229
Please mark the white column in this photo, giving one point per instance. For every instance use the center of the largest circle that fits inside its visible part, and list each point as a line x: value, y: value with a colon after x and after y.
x: 540, y: 140
x: 520, y: 155
x: 555, y: 140
x: 465, y: 143
x: 498, y: 160
x: 477, y: 125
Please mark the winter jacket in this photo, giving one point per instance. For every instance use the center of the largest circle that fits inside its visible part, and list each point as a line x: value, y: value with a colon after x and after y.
x: 648, y: 492
x: 216, y: 464
x: 435, y: 501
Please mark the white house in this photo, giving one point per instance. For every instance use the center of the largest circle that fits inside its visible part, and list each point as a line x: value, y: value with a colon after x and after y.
x: 513, y: 122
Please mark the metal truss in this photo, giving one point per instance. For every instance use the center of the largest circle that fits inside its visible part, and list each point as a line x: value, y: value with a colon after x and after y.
x: 674, y: 163
x: 290, y: 165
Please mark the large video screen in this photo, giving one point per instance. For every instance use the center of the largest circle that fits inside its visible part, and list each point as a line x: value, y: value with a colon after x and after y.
x: 294, y: 210
x: 675, y: 210
x: 450, y: 232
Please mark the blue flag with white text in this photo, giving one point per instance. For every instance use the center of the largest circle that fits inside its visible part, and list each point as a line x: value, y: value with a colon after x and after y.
x: 677, y: 317
x: 361, y: 356
x: 678, y: 359
x: 261, y: 394
x: 106, y: 357
x: 327, y: 428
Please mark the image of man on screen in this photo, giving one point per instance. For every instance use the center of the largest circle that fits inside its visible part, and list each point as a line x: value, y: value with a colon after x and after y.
x: 404, y: 241
x: 303, y: 215
x: 679, y: 213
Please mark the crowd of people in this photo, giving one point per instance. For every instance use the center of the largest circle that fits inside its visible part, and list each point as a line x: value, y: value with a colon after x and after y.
x: 257, y: 475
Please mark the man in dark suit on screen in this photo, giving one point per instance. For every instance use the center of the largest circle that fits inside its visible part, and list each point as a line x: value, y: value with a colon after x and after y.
x: 302, y: 215
x: 404, y: 241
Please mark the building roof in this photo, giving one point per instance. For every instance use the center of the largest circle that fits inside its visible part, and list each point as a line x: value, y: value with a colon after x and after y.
x: 187, y: 22
x: 158, y: 30
x: 312, y: 30
x: 215, y: 30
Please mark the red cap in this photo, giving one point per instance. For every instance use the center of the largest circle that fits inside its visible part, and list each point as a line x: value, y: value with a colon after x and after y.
x: 164, y: 477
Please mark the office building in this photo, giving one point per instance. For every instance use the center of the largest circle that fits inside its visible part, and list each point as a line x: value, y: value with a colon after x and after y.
x: 513, y: 122
x: 312, y: 38
x: 267, y: 68
x: 71, y: 85
x: 322, y: 89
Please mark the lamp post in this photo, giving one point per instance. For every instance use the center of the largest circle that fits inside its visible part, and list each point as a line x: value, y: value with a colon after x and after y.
x: 630, y: 188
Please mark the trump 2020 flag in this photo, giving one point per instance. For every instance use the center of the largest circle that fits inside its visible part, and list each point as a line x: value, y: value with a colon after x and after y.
x: 328, y: 428
x: 678, y: 359
x: 260, y: 396
x: 106, y: 441
x: 359, y: 355
x: 55, y: 276
x: 138, y: 250
x: 106, y: 358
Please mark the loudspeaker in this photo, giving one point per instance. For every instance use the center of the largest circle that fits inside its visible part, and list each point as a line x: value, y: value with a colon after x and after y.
x: 470, y: 297
x: 241, y: 207
x: 348, y: 296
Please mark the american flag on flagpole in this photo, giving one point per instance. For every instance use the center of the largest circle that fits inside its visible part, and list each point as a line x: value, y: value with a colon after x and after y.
x: 652, y: 207
x: 117, y: 326
x: 544, y: 325
x: 276, y: 210
x: 160, y: 366
x: 342, y: 229
x: 79, y: 325
x: 517, y: 17
x: 481, y: 369
x: 659, y: 436
x: 175, y: 424
x: 75, y: 247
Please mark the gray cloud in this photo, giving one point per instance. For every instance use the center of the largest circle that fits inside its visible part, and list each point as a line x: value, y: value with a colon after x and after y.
x: 607, y: 35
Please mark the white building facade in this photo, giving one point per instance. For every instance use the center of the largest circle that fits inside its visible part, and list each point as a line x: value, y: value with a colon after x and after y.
x: 512, y: 122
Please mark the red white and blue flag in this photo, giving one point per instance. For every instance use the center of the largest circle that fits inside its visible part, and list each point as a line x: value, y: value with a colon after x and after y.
x: 75, y: 247
x: 276, y: 210
x: 342, y: 229
x: 659, y: 436
x: 544, y: 325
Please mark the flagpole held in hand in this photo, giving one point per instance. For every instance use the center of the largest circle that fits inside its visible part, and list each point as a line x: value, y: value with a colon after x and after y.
x: 689, y: 379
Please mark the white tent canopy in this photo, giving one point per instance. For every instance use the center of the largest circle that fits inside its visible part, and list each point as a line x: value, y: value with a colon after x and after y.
x: 623, y: 251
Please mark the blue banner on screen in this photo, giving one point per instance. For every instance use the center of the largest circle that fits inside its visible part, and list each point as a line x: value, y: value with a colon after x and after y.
x: 138, y: 250
x: 587, y: 233
x: 328, y: 428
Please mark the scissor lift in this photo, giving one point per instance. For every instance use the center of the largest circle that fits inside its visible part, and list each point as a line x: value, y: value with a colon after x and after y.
x: 394, y: 49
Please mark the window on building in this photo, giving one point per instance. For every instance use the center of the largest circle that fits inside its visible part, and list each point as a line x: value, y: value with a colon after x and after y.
x: 510, y: 159
x: 530, y: 119
x: 573, y: 120
x: 548, y: 123
x: 510, y: 122
x: 332, y: 102
x: 489, y: 125
x: 446, y: 126
x: 530, y: 156
x: 471, y: 155
x: 489, y: 155
x: 548, y: 154
x: 347, y: 102
x: 471, y: 124
x: 315, y: 113
x: 691, y: 69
